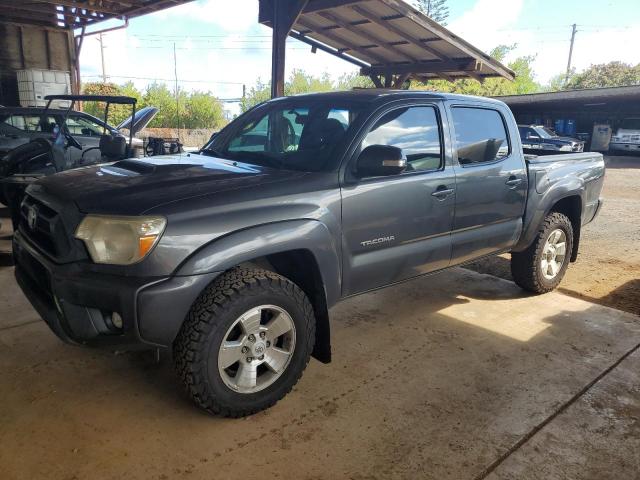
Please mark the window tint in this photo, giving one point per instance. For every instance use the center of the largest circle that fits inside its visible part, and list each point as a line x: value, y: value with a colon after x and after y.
x: 415, y: 131
x: 83, y: 126
x: 31, y: 123
x: 480, y: 135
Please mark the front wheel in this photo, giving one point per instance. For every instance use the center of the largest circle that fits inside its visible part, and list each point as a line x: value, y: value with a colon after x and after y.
x: 245, y: 342
x: 541, y: 267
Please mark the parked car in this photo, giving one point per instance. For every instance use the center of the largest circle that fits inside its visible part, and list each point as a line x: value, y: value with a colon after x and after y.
x: 233, y: 256
x: 627, y: 137
x: 20, y: 125
x: 539, y: 139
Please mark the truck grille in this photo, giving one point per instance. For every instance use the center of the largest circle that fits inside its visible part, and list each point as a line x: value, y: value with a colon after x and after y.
x: 44, y: 227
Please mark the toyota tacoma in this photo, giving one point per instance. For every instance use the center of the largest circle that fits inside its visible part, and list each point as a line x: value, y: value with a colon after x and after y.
x: 233, y: 256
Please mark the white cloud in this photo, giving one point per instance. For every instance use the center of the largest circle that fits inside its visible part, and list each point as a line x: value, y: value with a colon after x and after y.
x: 231, y: 16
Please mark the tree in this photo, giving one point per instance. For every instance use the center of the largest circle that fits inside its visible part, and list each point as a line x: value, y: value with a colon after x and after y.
x: 491, y: 87
x: 301, y: 82
x: 612, y: 74
x: 434, y: 9
x: 117, y: 113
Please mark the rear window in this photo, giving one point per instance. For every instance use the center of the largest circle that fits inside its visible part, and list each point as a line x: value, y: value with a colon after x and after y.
x: 31, y: 123
x: 481, y: 136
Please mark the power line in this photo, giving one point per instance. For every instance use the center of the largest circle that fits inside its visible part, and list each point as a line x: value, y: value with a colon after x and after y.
x: 164, y: 79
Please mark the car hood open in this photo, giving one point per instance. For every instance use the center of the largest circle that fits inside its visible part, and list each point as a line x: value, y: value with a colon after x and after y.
x: 139, y: 122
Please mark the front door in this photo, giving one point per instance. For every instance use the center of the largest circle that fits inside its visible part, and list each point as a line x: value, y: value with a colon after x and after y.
x: 397, y: 227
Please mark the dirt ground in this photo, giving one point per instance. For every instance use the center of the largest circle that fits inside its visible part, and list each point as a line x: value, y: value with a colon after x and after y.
x: 608, y: 268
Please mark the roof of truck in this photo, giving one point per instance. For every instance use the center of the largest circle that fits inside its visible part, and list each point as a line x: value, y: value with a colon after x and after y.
x: 370, y: 94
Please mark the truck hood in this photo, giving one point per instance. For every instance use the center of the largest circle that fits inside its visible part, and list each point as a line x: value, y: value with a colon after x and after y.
x: 132, y: 187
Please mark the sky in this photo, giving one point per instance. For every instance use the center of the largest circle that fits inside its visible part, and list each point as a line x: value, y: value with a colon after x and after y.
x: 220, y: 46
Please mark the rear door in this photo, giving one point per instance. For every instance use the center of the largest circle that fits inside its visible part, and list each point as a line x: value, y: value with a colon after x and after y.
x: 491, y: 181
x: 397, y: 227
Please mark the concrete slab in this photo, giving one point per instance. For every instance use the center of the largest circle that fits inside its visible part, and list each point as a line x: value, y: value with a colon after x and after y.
x: 597, y: 437
x: 432, y: 379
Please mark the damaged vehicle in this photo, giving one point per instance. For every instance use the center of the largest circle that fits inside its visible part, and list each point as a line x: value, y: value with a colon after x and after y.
x: 40, y: 142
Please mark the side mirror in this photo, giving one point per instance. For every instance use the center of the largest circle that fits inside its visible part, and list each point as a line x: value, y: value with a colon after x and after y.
x: 379, y: 161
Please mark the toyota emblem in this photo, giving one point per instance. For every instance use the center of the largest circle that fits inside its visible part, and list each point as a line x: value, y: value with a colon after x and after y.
x: 32, y: 217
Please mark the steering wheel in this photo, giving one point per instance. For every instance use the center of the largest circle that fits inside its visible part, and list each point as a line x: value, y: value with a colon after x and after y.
x: 71, y: 141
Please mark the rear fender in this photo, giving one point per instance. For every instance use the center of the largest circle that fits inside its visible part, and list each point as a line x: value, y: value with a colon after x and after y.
x: 541, y: 201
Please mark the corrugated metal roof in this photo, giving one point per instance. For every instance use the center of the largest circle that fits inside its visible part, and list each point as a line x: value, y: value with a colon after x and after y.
x: 390, y: 37
x: 78, y: 13
x: 589, y: 95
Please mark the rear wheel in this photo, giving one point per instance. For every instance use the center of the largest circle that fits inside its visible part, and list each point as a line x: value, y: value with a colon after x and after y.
x: 245, y: 343
x: 541, y: 267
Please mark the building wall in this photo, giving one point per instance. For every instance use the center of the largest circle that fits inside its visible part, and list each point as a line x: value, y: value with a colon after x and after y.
x: 27, y: 46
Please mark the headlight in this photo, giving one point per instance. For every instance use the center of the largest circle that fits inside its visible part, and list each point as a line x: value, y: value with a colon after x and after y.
x: 566, y: 148
x: 120, y: 240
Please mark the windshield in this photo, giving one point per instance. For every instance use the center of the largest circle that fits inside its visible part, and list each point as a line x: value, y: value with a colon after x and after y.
x: 630, y: 124
x: 545, y: 132
x: 295, y: 136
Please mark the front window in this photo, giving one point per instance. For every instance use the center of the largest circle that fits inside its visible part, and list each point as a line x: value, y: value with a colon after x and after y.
x: 287, y: 135
x: 83, y: 126
x: 414, y: 130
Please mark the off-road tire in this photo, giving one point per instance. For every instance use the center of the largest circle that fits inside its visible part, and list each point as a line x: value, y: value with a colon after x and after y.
x: 195, y: 350
x: 526, y: 268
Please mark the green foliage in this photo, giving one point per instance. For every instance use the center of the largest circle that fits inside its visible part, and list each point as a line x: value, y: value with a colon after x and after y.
x: 491, y: 87
x: 117, y: 113
x: 196, y: 109
x: 435, y: 9
x: 612, y: 74
x: 301, y: 82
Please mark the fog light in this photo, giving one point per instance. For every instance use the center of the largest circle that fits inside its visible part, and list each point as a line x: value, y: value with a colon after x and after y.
x: 116, y: 320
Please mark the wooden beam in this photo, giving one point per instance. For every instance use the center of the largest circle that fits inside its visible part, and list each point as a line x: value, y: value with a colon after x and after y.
x: 457, y: 42
x: 376, y: 81
x: 44, y: 10
x: 27, y: 17
x: 371, y: 38
x: 320, y: 5
x: 285, y: 14
x: 81, y: 6
x: 386, y: 24
x: 433, y: 67
x: 370, y: 57
x: 331, y: 50
x: 400, y: 79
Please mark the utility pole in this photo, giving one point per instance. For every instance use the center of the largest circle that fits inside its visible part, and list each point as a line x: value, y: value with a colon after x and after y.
x: 175, y: 72
x: 104, y: 71
x: 573, y: 38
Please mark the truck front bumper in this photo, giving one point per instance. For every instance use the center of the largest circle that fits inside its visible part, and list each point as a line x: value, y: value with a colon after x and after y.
x: 79, y: 304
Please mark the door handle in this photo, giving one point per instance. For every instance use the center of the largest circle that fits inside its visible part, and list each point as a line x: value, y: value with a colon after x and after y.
x: 513, y: 182
x: 442, y: 192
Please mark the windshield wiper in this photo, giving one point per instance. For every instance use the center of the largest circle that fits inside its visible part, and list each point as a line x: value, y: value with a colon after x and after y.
x: 211, y: 152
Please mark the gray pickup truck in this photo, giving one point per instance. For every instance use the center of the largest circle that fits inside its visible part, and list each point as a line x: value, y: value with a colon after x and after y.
x: 233, y: 256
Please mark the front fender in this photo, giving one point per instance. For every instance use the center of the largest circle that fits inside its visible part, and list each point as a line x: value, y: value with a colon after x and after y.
x: 255, y: 242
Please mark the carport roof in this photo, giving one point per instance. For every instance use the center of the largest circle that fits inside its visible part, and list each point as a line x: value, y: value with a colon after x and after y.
x: 389, y: 37
x: 580, y: 98
x: 78, y: 13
